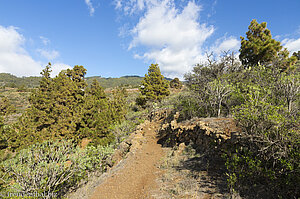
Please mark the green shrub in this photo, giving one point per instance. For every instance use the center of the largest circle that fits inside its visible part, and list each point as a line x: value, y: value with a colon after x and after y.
x: 189, y: 106
x: 141, y: 101
x: 176, y: 83
x: 122, y: 130
x: 51, y: 167
x: 268, y: 152
x: 6, y: 107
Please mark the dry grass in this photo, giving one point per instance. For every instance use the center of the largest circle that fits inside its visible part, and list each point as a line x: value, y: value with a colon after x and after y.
x: 188, y: 174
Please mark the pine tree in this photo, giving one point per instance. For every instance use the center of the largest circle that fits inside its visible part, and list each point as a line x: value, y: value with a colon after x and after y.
x: 154, y: 86
x: 65, y: 108
x: 175, y: 83
x: 96, y: 117
x: 117, y: 105
x: 69, y: 87
x: 297, y: 55
x: 55, y: 110
x: 260, y: 47
x: 6, y: 107
x: 42, y: 101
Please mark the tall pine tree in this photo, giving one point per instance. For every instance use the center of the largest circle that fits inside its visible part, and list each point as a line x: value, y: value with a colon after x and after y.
x: 154, y: 86
x: 96, y: 117
x: 260, y: 47
x: 55, y: 110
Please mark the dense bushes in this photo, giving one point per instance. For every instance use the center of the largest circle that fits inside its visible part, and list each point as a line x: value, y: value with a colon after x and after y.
x: 51, y: 167
x: 212, y: 85
x: 264, y: 100
x: 268, y: 152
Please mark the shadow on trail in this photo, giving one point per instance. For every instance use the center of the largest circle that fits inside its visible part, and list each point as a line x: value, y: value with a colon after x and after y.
x: 214, y: 170
x: 204, y: 165
x: 207, y: 166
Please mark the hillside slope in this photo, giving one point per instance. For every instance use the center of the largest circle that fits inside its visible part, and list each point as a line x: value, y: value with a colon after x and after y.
x: 12, y: 81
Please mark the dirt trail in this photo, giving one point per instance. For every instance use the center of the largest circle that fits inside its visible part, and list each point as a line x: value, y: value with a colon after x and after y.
x: 137, y: 176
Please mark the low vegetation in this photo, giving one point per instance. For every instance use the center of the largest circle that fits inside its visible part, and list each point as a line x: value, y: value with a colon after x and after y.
x: 51, y: 167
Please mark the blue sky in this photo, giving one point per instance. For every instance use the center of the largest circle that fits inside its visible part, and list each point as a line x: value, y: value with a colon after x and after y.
x: 123, y: 37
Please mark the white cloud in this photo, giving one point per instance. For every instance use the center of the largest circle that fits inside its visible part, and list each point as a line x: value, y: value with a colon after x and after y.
x: 118, y: 4
x: 131, y: 6
x: 49, y: 54
x: 13, y: 57
x: 226, y: 44
x: 173, y: 38
x: 16, y: 60
x: 169, y: 33
x: 45, y: 40
x: 90, y: 7
x: 57, y: 67
x: 293, y: 45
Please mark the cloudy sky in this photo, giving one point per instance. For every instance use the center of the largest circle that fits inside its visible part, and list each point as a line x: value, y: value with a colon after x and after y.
x: 113, y: 38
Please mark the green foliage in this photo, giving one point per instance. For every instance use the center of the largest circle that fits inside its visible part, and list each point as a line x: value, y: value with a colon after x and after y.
x: 260, y: 47
x: 56, y: 107
x: 188, y: 105
x: 297, y: 54
x: 154, y: 86
x: 288, y: 85
x: 6, y: 137
x: 264, y: 101
x: 267, y: 154
x: 96, y: 117
x: 176, y: 83
x: 6, y: 107
x: 65, y: 108
x: 141, y: 100
x: 212, y: 85
x: 118, y: 105
x: 3, y: 136
x: 51, y: 167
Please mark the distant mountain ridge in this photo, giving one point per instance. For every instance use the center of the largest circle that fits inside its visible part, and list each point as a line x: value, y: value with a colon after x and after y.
x: 10, y: 80
x: 13, y: 81
x: 127, y: 81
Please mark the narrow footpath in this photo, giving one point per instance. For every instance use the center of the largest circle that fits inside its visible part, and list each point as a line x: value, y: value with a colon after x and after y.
x: 138, y: 175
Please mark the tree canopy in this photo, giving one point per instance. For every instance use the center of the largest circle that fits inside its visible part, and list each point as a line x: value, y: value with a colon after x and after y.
x: 65, y: 108
x: 154, y: 86
x: 260, y: 47
x: 176, y: 83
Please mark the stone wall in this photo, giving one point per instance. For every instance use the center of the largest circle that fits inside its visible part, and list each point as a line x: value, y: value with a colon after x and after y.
x: 203, y: 133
